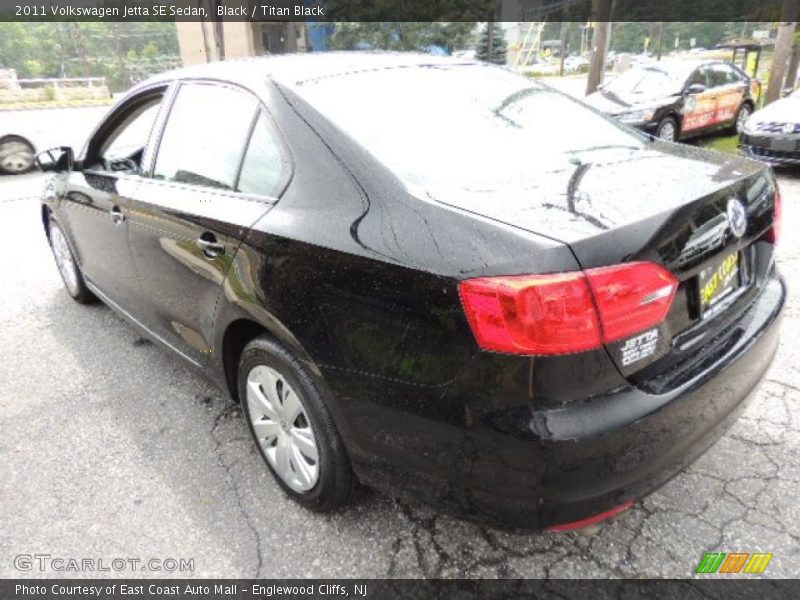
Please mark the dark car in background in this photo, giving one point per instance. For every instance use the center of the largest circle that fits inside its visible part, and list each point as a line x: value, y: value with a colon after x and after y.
x: 680, y: 99
x: 360, y: 249
x: 772, y: 134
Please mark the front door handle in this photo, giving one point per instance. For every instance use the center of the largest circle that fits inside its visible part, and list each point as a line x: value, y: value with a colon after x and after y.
x: 117, y: 216
x: 210, y: 246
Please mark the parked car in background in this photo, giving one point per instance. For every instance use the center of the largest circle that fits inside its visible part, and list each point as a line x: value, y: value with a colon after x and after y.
x: 359, y: 248
x: 772, y: 134
x: 679, y: 99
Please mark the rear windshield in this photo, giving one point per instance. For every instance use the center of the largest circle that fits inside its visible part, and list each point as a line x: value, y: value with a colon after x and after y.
x: 465, y: 126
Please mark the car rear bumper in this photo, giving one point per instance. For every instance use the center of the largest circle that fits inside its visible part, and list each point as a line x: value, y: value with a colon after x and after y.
x: 610, y: 450
x: 536, y: 467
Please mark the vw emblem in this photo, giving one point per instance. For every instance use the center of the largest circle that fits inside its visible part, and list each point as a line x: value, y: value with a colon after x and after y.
x: 737, y: 217
x: 788, y: 128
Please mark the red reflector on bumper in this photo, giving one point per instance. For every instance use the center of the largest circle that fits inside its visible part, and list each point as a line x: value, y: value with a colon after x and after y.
x: 592, y: 520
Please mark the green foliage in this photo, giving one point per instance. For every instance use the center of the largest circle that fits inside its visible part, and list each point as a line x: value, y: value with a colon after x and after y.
x: 630, y: 37
x: 401, y: 36
x: 499, y: 45
x: 122, y: 53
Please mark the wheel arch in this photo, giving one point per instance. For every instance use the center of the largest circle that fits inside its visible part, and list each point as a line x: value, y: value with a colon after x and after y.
x: 239, y: 330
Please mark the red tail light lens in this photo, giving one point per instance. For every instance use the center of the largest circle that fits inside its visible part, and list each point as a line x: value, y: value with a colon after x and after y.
x: 631, y: 297
x: 773, y: 233
x: 566, y: 312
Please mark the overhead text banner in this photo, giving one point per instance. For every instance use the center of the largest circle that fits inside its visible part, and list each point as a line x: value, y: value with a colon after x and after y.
x: 706, y: 588
x: 389, y: 10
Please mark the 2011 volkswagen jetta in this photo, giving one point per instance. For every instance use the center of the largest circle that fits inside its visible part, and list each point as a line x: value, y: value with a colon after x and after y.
x: 412, y: 274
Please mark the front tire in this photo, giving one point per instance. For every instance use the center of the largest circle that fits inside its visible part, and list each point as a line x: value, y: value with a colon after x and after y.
x: 16, y: 155
x: 667, y: 129
x: 67, y: 265
x: 292, y: 427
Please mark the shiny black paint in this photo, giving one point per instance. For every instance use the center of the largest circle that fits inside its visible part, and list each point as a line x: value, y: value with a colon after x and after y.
x: 360, y: 279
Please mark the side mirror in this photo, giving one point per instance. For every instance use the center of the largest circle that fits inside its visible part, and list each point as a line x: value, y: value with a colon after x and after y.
x: 59, y: 159
x: 696, y: 88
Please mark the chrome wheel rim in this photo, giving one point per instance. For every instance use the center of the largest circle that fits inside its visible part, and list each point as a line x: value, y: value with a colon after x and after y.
x: 744, y: 114
x: 667, y: 132
x: 282, y: 428
x: 16, y: 157
x: 64, y: 261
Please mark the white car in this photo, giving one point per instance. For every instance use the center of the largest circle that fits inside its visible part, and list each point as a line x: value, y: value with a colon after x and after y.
x: 23, y: 133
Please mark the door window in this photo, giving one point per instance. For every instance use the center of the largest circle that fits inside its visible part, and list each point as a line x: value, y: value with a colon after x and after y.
x: 264, y: 165
x: 722, y: 75
x: 205, y: 136
x: 123, y: 147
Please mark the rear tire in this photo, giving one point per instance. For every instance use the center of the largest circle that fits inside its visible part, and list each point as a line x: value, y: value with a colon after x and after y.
x: 292, y: 427
x: 67, y: 265
x: 744, y: 113
x: 667, y: 129
x: 16, y: 155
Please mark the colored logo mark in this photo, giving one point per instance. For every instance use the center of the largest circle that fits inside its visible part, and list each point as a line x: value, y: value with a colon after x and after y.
x: 734, y: 562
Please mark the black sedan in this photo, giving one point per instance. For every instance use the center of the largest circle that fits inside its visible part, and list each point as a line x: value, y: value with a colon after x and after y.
x: 411, y: 276
x: 772, y: 134
x: 680, y: 99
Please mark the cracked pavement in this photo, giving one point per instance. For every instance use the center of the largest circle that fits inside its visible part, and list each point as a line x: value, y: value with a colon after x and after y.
x: 111, y: 447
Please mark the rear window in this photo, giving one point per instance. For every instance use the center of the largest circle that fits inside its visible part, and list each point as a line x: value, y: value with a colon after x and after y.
x: 463, y: 126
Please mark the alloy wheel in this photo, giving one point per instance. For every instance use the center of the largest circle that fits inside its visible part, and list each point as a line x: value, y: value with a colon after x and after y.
x: 667, y: 131
x: 744, y: 114
x: 16, y: 157
x: 64, y: 260
x: 282, y: 428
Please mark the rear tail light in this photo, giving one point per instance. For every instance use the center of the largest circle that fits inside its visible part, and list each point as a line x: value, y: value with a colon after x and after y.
x: 773, y: 233
x: 569, y: 312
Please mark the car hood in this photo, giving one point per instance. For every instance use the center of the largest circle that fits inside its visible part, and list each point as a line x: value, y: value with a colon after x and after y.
x: 613, y: 104
x: 786, y: 110
x: 610, y: 206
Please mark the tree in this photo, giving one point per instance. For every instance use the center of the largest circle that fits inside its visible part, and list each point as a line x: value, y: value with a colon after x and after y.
x: 401, y: 36
x: 783, y: 50
x: 602, y: 11
x: 499, y: 46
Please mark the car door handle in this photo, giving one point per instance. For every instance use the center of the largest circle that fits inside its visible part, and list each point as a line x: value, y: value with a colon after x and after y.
x: 210, y: 246
x: 117, y: 216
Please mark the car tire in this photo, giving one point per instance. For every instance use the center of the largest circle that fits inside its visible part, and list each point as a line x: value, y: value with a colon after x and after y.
x: 667, y: 129
x: 745, y: 110
x: 67, y: 265
x: 292, y: 427
x: 16, y: 155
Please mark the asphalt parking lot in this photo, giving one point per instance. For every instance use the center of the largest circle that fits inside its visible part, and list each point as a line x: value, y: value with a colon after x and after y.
x: 112, y: 448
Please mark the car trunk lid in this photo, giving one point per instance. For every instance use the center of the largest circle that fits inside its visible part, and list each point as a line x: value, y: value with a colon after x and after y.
x: 662, y: 203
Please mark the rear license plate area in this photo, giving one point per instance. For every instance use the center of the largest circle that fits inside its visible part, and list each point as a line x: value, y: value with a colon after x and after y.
x: 717, y: 282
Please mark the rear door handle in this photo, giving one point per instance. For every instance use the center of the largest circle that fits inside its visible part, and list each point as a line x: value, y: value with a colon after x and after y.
x: 210, y: 246
x: 117, y: 216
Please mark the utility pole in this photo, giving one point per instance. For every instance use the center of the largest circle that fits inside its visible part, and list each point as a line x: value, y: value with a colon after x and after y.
x: 660, y: 38
x: 597, y: 64
x: 783, y: 50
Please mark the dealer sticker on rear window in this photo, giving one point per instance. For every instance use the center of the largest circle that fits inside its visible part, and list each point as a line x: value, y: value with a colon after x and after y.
x: 640, y: 347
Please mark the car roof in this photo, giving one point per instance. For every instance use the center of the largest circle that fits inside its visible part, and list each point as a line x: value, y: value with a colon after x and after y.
x: 680, y: 66
x: 296, y: 69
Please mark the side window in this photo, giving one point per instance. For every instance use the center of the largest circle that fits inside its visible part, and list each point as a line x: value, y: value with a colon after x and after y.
x: 124, y: 145
x: 264, y: 165
x: 722, y: 75
x: 205, y: 135
x: 699, y: 76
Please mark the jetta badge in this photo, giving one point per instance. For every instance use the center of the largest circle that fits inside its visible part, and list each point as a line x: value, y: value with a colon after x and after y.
x: 737, y: 217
